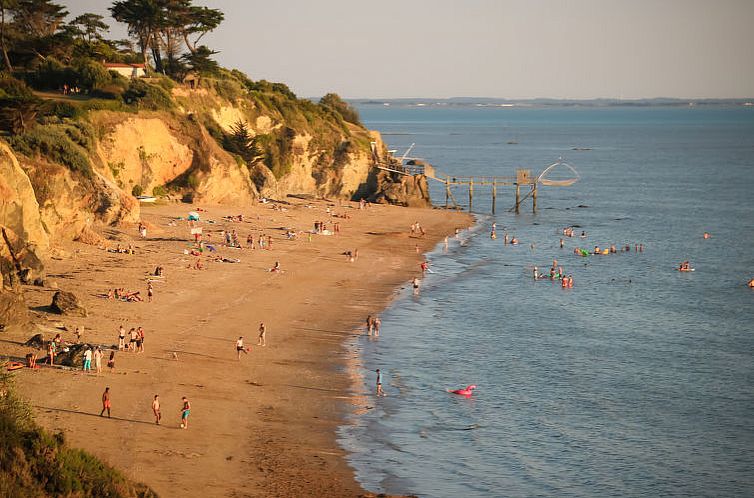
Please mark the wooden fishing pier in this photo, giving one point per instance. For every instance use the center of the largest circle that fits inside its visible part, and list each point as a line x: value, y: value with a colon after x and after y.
x: 522, y: 180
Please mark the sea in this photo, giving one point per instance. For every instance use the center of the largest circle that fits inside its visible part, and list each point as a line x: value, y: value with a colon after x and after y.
x: 639, y: 380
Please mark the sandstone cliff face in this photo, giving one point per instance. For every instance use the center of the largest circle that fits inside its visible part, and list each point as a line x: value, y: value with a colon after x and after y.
x: 157, y: 152
x: 21, y: 235
x: 144, y: 152
x: 19, y: 210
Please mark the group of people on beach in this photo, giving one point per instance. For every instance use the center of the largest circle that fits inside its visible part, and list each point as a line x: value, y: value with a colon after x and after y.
x: 261, y: 341
x: 373, y: 325
x: 135, y: 342
x: 156, y: 408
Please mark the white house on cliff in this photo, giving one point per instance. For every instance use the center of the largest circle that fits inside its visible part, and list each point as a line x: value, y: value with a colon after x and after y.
x: 127, y: 70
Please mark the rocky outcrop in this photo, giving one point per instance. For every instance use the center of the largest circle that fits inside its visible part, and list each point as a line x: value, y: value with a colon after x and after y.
x: 66, y: 303
x: 19, y: 210
x: 69, y: 204
x: 401, y: 190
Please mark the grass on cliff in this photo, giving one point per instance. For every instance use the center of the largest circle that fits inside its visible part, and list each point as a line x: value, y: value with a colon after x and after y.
x: 35, y: 463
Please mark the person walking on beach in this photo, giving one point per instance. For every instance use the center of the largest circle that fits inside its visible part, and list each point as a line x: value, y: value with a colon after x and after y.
x: 185, y: 412
x: 105, y: 402
x: 262, y: 341
x: 88, y: 360
x: 240, y: 348
x: 111, y: 361
x: 156, y: 409
x: 98, y: 360
x: 150, y: 291
x: 140, y: 340
x: 121, y: 338
x: 380, y: 392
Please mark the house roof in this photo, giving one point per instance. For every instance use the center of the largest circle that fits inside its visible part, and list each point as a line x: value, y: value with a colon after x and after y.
x: 120, y: 64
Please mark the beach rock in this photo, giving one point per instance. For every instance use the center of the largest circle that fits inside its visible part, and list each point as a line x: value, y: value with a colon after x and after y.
x: 66, y: 303
x: 36, y: 341
x: 401, y: 190
x: 90, y: 237
x: 74, y: 357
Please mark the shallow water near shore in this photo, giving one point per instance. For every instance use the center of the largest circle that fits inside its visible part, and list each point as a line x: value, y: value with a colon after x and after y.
x: 639, y: 381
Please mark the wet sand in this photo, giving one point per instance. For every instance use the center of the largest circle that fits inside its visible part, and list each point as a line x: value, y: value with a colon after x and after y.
x: 263, y: 425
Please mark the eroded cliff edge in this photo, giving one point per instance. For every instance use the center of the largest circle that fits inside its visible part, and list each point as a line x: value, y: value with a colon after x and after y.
x: 230, y: 141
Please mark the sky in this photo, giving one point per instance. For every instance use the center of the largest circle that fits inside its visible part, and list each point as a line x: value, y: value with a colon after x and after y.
x: 571, y: 49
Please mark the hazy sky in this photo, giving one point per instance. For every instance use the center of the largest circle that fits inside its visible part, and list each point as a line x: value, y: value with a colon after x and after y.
x: 488, y: 48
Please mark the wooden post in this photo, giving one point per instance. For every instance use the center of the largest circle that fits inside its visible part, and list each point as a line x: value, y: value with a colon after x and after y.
x: 534, y: 198
x: 447, y: 191
x: 471, y: 192
x: 518, y: 196
x: 494, y: 194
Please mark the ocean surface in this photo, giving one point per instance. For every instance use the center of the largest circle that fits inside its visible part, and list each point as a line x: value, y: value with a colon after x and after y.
x: 638, y: 381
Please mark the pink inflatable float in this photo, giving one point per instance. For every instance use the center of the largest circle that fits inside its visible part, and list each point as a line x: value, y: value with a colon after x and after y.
x: 464, y: 392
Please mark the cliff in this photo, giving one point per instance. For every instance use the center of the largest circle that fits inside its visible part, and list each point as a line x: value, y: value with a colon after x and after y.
x: 230, y: 141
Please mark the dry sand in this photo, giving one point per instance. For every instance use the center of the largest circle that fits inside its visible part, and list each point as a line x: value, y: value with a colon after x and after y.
x: 261, y: 426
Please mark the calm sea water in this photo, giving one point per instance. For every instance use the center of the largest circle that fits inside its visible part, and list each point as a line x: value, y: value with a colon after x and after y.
x: 639, y: 381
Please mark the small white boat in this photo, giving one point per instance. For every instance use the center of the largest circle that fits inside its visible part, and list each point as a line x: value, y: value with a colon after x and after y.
x: 146, y: 198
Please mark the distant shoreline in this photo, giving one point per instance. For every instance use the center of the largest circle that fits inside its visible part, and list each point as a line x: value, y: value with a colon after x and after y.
x: 533, y: 103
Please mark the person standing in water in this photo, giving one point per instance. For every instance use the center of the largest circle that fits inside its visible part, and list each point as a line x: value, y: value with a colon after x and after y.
x: 380, y: 392
x: 415, y: 284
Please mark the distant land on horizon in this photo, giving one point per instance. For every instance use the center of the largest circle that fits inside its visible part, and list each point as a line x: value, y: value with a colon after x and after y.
x: 542, y: 102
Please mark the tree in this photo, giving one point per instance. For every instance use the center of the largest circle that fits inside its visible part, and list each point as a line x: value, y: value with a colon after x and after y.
x: 39, y: 29
x: 144, y: 18
x: 90, y: 26
x: 38, y: 18
x: 199, y: 21
x: 18, y: 106
x: 5, y: 6
x: 334, y: 102
x: 240, y: 141
x: 201, y: 62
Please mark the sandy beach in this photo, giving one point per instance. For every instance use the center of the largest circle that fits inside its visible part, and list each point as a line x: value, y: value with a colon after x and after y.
x: 263, y: 425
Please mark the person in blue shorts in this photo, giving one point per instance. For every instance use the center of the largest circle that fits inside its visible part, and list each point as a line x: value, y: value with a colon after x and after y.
x: 185, y: 412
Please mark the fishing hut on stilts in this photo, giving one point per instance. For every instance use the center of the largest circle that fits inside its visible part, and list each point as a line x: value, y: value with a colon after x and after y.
x: 524, y: 182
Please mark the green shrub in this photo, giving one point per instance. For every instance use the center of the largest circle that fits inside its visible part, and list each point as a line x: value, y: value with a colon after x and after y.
x: 110, y: 92
x: 55, y: 143
x: 137, y: 190
x: 91, y: 74
x: 62, y: 109
x: 346, y: 111
x: 145, y: 96
x: 159, y: 191
x: 228, y: 89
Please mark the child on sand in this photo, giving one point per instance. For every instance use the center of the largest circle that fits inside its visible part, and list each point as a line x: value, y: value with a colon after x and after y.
x: 185, y: 412
x: 156, y: 409
x: 262, y: 333
x: 111, y: 361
